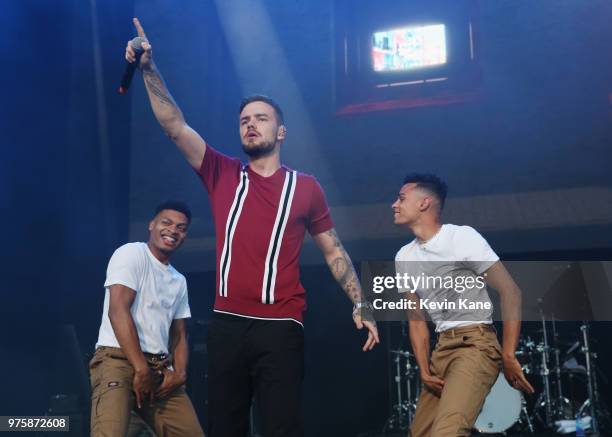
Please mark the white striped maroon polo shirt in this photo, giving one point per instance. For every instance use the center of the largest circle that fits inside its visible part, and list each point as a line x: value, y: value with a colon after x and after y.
x: 260, y: 224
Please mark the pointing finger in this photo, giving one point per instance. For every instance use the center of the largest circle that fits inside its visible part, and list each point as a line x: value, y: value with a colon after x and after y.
x: 138, y: 399
x: 139, y: 28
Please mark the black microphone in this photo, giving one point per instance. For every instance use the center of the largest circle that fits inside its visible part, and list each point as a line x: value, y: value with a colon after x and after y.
x: 130, y: 67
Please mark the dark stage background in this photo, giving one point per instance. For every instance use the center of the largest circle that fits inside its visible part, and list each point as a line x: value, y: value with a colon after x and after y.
x: 527, y: 162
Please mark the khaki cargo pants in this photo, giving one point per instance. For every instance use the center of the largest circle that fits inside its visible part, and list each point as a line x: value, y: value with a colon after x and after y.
x: 113, y: 399
x: 469, y: 361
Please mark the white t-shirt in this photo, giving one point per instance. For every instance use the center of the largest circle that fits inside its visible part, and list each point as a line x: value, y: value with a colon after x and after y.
x: 447, y: 259
x: 161, y: 296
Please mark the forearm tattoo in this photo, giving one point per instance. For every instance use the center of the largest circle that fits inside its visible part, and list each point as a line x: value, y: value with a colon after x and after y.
x: 155, y: 84
x: 165, y: 108
x: 343, y: 271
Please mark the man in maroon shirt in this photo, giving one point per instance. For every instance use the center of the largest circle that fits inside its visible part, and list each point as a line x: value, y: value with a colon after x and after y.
x: 261, y: 212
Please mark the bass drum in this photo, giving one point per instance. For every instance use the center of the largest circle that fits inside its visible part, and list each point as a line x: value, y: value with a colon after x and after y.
x: 502, y: 408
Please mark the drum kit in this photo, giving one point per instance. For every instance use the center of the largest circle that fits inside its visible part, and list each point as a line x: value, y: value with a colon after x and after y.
x: 564, y: 375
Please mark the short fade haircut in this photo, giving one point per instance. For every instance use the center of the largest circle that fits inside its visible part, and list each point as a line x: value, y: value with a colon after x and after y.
x: 262, y: 98
x: 174, y: 205
x: 431, y: 183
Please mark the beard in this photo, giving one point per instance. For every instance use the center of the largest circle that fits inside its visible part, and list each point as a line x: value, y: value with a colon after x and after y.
x: 259, y: 150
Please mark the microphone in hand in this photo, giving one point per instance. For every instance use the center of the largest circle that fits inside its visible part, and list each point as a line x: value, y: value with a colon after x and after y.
x: 130, y: 67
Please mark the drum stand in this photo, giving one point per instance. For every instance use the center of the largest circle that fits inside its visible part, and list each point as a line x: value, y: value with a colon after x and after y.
x: 404, y: 409
x: 407, y: 382
x: 545, y: 399
x: 557, y: 408
x: 412, y: 376
x: 560, y: 407
x: 525, y: 416
x: 563, y: 406
x: 592, y: 403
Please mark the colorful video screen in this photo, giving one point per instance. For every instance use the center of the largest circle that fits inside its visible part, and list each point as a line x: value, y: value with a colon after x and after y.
x: 409, y: 47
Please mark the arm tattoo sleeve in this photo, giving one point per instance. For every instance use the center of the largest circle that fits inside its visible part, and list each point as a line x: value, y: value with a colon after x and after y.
x: 165, y: 108
x: 155, y: 84
x: 343, y: 271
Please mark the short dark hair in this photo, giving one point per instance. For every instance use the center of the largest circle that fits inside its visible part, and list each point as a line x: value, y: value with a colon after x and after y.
x: 431, y: 183
x: 261, y: 98
x: 174, y: 205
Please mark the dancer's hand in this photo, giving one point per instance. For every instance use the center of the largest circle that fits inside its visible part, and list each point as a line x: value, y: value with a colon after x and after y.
x: 146, y: 59
x: 142, y: 385
x: 172, y: 381
x: 514, y: 375
x: 432, y: 382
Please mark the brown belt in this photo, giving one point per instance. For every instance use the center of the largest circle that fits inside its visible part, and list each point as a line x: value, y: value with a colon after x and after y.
x: 155, y: 359
x: 453, y: 332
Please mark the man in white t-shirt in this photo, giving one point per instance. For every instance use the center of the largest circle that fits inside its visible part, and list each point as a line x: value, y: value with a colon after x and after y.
x: 451, y: 267
x: 141, y: 353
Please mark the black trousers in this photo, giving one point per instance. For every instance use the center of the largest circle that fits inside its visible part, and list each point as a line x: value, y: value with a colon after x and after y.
x: 264, y: 358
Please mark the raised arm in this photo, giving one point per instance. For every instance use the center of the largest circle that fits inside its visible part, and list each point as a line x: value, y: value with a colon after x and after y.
x: 343, y: 271
x: 121, y: 300
x: 167, y: 112
x: 510, y: 295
